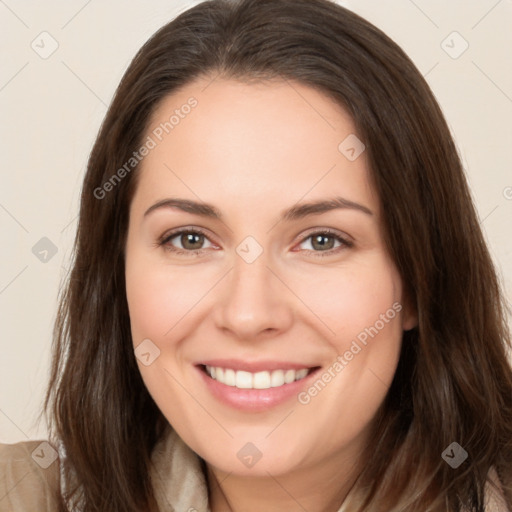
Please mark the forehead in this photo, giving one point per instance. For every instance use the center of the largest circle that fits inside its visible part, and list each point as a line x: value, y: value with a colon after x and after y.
x: 263, y: 142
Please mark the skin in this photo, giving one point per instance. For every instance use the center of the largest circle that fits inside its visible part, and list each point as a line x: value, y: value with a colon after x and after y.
x: 252, y: 151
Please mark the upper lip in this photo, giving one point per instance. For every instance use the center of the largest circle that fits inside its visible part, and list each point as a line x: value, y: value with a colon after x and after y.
x: 255, y: 366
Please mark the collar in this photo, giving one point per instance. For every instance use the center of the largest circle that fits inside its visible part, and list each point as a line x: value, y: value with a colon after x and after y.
x: 177, y: 476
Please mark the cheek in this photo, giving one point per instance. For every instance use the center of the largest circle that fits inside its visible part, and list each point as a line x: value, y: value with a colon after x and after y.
x: 147, y: 304
x: 352, y: 299
x: 159, y: 297
x: 157, y: 300
x: 361, y: 306
x: 363, y: 309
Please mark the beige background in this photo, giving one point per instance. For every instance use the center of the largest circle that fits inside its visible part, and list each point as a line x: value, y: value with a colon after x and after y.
x: 51, y: 109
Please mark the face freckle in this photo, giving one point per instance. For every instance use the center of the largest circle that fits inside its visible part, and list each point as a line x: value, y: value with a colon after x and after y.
x: 225, y: 264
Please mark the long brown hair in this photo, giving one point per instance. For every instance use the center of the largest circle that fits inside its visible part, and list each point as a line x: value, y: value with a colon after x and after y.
x: 453, y: 382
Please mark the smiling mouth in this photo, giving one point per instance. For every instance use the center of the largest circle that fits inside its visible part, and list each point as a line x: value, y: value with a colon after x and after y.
x: 257, y: 380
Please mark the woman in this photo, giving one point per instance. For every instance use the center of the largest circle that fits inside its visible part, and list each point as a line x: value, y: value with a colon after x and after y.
x: 281, y: 298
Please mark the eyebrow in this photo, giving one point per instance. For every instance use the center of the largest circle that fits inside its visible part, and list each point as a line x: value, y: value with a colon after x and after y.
x: 296, y: 212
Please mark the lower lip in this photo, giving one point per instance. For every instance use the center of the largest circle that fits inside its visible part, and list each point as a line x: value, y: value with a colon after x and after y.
x: 255, y: 400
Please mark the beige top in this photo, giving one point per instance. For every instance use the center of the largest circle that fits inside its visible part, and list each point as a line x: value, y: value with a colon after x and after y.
x: 28, y: 470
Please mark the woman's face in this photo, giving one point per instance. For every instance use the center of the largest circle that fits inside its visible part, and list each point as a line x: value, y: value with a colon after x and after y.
x: 301, y: 327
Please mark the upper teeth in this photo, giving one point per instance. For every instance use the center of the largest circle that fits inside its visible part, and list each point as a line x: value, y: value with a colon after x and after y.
x: 259, y: 380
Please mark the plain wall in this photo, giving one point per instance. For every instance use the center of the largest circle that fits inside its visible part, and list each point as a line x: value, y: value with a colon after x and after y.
x: 51, y: 109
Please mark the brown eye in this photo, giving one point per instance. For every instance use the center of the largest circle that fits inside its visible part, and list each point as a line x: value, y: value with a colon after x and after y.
x: 185, y: 241
x: 322, y: 242
x: 325, y: 242
x: 191, y: 240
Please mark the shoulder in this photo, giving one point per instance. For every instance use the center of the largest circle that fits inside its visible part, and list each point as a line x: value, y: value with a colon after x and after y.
x: 29, y: 475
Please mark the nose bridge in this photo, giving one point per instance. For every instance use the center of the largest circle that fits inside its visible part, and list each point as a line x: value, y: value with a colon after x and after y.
x: 253, y: 299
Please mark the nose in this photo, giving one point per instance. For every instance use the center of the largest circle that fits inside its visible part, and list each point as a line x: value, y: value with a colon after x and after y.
x: 253, y: 301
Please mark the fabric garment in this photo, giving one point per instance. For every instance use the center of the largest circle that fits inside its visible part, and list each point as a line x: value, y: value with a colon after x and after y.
x: 30, y: 469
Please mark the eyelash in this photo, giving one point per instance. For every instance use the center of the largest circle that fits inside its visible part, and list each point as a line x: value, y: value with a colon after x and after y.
x: 166, y: 238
